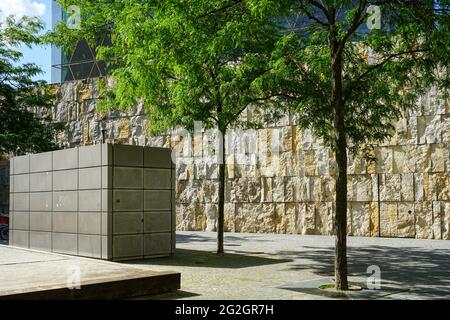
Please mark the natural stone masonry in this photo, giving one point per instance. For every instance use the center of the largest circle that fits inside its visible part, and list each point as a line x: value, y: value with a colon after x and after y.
x: 106, y: 201
x: 406, y: 193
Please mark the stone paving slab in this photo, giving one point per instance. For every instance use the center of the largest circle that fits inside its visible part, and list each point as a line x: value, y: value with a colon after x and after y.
x: 31, y: 274
x: 270, y: 266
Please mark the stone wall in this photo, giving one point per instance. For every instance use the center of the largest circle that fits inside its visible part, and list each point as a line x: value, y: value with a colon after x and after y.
x: 406, y: 193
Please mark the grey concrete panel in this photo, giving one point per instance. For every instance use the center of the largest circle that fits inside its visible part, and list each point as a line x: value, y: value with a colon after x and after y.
x: 158, y: 221
x: 65, y: 243
x: 90, y: 178
x: 127, y: 222
x: 65, y: 201
x: 11, y: 202
x: 90, y: 200
x: 21, y: 183
x: 21, y: 164
x: 41, y: 221
x: 90, y: 245
x: 41, y: 240
x: 89, y: 222
x: 21, y: 201
x: 129, y: 178
x: 65, y: 159
x: 128, y: 156
x: 127, y: 246
x: 21, y: 220
x: 90, y: 156
x: 41, y: 162
x: 41, y: 181
x: 128, y: 200
x: 157, y: 157
x: 106, y: 224
x: 157, y: 243
x: 41, y: 201
x: 20, y: 238
x: 107, y: 154
x: 107, y: 247
x: 107, y: 200
x: 65, y: 222
x: 157, y: 200
x: 65, y: 180
x: 107, y: 177
x: 157, y: 179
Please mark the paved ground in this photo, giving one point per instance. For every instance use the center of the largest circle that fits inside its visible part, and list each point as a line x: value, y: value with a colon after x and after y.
x: 263, y: 266
x: 24, y: 271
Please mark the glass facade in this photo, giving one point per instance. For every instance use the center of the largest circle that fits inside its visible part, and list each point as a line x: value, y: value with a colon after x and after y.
x: 81, y: 63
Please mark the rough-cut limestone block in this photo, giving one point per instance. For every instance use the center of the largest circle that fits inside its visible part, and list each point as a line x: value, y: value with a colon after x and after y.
x: 307, y: 140
x: 423, y: 211
x: 406, y: 131
x: 328, y: 188
x: 267, y: 190
x: 401, y: 163
x: 446, y: 131
x: 285, y: 136
x: 390, y: 187
x: 437, y: 220
x: 197, y: 145
x: 191, y: 217
x: 388, y: 219
x: 290, y: 189
x: 323, y: 162
x: 437, y: 157
x: 407, y: 187
x: 184, y: 169
x: 304, y: 189
x: 308, y: 160
x: 124, y: 128
x: 406, y: 220
x: 374, y: 219
x: 446, y: 220
x: 229, y: 213
x: 212, y: 169
x: 433, y: 129
x: 359, y: 187
x: 254, y: 189
x: 306, y: 218
x: 384, y: 156
x: 211, y: 212
x: 252, y: 217
x: 285, y: 218
x: 356, y: 164
x: 443, y: 186
x: 240, y: 187
x: 199, y: 168
x: 324, y: 218
x: 287, y: 165
x: 190, y: 191
x: 229, y: 166
x: 211, y: 191
x: 315, y: 188
x: 430, y: 186
x: 360, y: 218
x: 433, y: 102
x: 278, y: 189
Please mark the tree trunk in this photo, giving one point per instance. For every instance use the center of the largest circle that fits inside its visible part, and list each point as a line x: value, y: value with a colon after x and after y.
x: 340, y: 265
x: 221, y: 213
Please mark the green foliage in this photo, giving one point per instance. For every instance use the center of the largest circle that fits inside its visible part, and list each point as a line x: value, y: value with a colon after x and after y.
x: 185, y: 61
x: 20, y: 130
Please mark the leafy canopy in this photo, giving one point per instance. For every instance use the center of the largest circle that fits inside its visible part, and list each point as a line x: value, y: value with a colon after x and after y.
x: 20, y: 130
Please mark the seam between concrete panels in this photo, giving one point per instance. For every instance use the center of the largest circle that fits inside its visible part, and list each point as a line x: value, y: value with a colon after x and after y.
x: 29, y: 200
x: 101, y: 201
x: 112, y: 201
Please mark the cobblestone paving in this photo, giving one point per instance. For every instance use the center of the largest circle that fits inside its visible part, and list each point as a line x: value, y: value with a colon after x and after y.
x: 269, y: 266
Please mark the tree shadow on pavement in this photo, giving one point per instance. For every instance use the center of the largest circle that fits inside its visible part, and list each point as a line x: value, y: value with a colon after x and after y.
x: 200, y: 258
x: 424, y: 273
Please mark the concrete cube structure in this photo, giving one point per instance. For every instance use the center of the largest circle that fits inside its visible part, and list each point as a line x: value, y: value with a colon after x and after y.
x: 113, y: 202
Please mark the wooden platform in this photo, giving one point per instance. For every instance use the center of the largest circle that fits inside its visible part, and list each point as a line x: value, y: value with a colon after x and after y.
x: 30, y: 274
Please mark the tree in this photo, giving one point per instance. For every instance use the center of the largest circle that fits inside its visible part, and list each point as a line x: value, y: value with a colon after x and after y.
x: 185, y: 61
x: 21, y: 131
x: 349, y: 82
